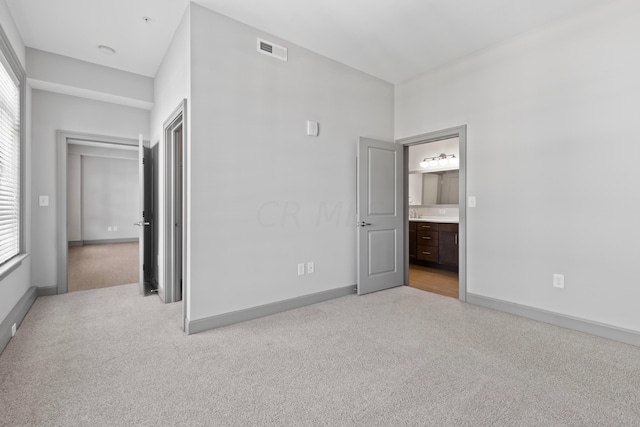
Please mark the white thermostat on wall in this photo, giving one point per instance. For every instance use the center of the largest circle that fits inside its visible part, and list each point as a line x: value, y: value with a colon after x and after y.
x: 312, y: 128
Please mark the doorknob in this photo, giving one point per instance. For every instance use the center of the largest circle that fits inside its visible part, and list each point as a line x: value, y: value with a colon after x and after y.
x: 363, y: 224
x: 142, y: 223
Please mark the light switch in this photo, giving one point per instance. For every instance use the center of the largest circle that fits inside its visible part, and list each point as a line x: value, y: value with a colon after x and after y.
x: 472, y: 201
x: 312, y: 128
x: 43, y: 200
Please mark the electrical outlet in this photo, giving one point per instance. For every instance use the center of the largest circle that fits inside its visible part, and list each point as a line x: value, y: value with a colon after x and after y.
x: 13, y: 330
x: 301, y: 269
x: 109, y: 228
x: 310, y: 267
x: 558, y: 281
x: 115, y: 228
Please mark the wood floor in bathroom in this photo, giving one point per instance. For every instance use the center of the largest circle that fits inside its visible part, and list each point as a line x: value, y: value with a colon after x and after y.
x: 434, y: 280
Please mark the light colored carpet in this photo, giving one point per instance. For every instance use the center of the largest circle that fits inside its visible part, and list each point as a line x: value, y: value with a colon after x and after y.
x: 401, y: 357
x: 100, y: 266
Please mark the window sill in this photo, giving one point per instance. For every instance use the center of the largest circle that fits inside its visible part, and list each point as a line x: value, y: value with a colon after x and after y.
x: 11, y: 265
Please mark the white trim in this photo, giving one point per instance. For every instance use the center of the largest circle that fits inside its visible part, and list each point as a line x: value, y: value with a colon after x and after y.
x: 11, y: 265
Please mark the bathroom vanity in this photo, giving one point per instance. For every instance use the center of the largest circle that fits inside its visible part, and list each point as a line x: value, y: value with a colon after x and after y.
x: 434, y: 241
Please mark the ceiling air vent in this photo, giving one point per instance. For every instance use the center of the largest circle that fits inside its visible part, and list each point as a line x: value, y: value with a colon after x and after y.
x: 272, y: 49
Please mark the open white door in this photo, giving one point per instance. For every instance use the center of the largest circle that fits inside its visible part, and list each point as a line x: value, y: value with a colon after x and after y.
x: 144, y: 232
x: 380, y: 215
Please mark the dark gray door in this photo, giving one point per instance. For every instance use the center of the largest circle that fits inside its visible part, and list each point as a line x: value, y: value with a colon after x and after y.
x: 144, y: 232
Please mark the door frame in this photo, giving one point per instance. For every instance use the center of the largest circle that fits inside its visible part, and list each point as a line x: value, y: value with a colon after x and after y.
x: 65, y: 138
x: 176, y: 119
x: 461, y: 133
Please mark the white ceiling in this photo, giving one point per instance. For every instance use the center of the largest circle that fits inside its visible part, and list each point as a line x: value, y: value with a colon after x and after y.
x: 75, y: 28
x: 390, y: 39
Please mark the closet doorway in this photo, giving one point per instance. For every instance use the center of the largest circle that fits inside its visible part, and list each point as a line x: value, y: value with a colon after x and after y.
x: 175, y: 213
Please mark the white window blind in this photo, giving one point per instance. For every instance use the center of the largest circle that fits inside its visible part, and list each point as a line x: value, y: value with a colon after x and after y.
x: 9, y: 165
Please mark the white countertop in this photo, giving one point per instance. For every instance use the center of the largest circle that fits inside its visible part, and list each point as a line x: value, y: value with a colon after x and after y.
x: 444, y: 219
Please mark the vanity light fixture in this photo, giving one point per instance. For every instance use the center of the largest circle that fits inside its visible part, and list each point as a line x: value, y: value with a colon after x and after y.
x: 441, y: 160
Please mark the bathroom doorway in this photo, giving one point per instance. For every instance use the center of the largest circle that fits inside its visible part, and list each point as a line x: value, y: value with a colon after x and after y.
x: 435, y: 194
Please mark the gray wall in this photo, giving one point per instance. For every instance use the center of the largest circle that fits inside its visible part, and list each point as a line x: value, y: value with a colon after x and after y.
x: 262, y: 195
x: 53, y: 112
x: 49, y: 71
x: 106, y: 204
x: 10, y: 29
x: 110, y: 198
x: 543, y: 112
x: 171, y: 85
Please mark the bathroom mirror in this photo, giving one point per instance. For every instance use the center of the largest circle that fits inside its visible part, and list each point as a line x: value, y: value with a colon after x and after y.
x: 434, y: 188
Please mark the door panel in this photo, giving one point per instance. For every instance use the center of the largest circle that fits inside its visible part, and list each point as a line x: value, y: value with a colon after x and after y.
x: 144, y: 231
x: 382, y: 181
x: 382, y: 252
x: 380, y: 215
x: 140, y: 223
x: 172, y: 291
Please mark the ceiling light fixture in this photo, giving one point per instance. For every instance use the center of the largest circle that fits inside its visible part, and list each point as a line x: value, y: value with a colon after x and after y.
x: 439, y: 161
x: 107, y: 50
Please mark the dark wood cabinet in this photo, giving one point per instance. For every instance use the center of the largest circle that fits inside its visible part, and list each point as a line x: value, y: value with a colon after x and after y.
x: 413, y: 249
x: 427, y: 226
x: 433, y: 242
x: 428, y: 246
x: 448, y: 244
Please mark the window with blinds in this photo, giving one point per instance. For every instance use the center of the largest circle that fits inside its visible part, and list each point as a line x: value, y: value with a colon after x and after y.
x: 9, y: 165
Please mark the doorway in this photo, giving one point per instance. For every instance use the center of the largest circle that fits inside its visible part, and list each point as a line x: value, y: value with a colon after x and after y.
x: 108, y: 163
x: 102, y: 203
x: 175, y: 283
x: 435, y: 194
